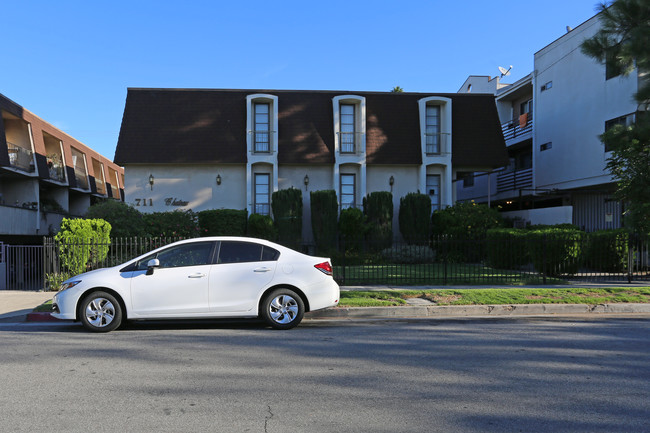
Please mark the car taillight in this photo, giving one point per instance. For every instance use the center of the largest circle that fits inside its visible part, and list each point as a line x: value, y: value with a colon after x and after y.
x: 324, y: 267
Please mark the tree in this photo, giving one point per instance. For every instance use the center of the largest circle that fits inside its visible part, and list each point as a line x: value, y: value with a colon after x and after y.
x: 397, y: 89
x: 623, y: 43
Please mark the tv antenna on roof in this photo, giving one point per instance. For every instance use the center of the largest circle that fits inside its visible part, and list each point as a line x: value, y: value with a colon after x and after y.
x: 504, y: 71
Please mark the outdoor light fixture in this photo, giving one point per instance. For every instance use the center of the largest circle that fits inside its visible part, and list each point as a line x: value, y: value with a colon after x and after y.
x: 218, y: 179
x: 391, y: 182
x: 306, y: 180
x: 151, y: 181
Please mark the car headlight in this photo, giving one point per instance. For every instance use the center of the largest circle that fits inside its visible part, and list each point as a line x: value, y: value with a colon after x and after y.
x: 66, y: 286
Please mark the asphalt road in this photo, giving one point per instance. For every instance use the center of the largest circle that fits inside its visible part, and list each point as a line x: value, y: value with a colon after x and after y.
x: 460, y: 375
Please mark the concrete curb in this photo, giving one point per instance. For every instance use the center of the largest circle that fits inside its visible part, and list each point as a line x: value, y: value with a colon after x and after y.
x: 41, y: 317
x: 475, y: 311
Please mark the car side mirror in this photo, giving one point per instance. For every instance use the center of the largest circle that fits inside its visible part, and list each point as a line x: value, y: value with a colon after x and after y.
x: 151, y: 264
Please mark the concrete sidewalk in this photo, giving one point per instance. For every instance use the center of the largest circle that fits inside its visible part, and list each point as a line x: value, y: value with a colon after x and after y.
x: 16, y: 305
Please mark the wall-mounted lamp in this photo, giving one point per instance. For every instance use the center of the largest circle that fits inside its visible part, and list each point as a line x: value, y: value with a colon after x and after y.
x: 151, y: 181
x: 306, y: 180
x: 391, y: 182
x: 218, y: 179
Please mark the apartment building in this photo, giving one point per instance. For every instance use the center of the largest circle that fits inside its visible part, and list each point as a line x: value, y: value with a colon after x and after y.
x: 551, y: 121
x: 46, y: 175
x: 209, y: 149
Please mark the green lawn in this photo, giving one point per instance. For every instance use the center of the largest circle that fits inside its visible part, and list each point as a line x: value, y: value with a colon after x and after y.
x: 434, y: 273
x: 498, y: 296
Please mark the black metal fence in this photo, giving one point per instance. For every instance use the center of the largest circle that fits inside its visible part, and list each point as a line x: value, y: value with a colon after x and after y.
x: 434, y: 261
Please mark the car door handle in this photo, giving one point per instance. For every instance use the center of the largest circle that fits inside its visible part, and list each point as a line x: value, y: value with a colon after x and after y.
x: 197, y: 275
x: 262, y: 270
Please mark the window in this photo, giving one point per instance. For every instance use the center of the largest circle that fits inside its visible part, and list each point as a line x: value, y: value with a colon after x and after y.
x: 526, y: 107
x: 79, y: 164
x: 348, y: 128
x: 467, y: 177
x: 241, y: 252
x: 262, y: 127
x: 546, y: 146
x: 612, y: 69
x: 193, y: 254
x: 433, y: 190
x: 547, y: 86
x: 626, y: 120
x: 432, y: 125
x: 348, y: 196
x: 262, y: 194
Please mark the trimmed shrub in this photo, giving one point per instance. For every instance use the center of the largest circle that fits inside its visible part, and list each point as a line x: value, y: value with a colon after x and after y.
x: 467, y: 220
x: 125, y: 220
x: 181, y: 223
x: 261, y: 226
x: 607, y: 250
x: 287, y: 211
x: 409, y: 254
x: 378, y: 208
x: 507, y: 248
x: 352, y: 227
x: 324, y: 214
x: 415, y: 218
x: 555, y: 251
x: 223, y: 222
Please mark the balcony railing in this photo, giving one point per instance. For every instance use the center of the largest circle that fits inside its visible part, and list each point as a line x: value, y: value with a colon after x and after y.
x: 517, y: 127
x: 82, y: 179
x: 101, y: 186
x: 513, y: 180
x: 350, y: 143
x: 262, y: 209
x: 21, y: 158
x: 262, y: 141
x: 55, y: 168
x: 436, y: 143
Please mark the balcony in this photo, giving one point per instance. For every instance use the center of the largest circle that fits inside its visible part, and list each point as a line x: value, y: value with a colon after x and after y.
x: 81, y: 178
x: 436, y: 143
x: 262, y: 142
x: 55, y: 168
x: 262, y: 209
x: 518, y: 128
x: 350, y: 143
x: 515, y: 179
x: 20, y: 158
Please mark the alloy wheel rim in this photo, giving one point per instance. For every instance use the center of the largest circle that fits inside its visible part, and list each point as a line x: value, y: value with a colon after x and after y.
x: 283, y: 309
x: 100, y: 312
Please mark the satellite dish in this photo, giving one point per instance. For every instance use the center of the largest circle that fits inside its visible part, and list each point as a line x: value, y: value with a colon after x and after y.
x: 504, y: 71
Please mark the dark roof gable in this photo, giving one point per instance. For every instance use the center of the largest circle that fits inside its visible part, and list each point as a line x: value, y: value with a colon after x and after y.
x: 170, y: 126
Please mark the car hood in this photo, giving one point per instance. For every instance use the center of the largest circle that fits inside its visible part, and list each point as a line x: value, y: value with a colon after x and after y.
x: 89, y: 274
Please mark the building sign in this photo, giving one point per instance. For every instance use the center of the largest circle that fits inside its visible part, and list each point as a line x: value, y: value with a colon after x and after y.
x: 169, y: 201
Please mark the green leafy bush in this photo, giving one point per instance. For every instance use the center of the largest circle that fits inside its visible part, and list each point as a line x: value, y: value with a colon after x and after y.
x: 324, y: 214
x: 409, y: 254
x: 352, y: 227
x: 223, y: 222
x: 82, y: 244
x: 125, y: 220
x: 378, y: 208
x: 507, y: 248
x: 607, y: 250
x: 468, y: 220
x: 415, y: 218
x: 181, y: 223
x: 261, y: 226
x: 287, y: 212
x: 555, y: 251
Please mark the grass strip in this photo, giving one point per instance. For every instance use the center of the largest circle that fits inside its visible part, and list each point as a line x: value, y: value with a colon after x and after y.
x: 588, y: 296
x: 45, y: 307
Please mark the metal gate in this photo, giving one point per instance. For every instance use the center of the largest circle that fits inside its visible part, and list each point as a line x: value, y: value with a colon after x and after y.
x: 21, y: 267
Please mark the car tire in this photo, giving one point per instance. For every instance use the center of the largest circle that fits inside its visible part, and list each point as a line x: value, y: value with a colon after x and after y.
x: 282, y: 309
x: 100, y: 312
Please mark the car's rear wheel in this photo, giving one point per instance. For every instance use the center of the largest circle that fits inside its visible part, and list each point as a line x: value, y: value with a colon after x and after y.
x: 283, y: 309
x: 100, y: 312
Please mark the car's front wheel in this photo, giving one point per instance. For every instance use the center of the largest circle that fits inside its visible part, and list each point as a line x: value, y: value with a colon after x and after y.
x: 100, y: 312
x: 283, y: 309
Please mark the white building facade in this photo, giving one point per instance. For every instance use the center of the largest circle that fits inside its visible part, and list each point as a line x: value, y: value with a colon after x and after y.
x: 551, y: 121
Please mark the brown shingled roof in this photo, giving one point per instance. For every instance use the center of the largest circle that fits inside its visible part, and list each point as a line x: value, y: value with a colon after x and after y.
x: 209, y: 126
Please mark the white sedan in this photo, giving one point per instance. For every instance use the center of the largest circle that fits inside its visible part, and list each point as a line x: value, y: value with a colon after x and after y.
x: 202, y: 278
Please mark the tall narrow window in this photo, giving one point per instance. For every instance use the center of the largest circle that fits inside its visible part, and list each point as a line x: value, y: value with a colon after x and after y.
x: 347, y: 128
x: 433, y: 129
x: 348, y: 196
x: 262, y: 194
x: 433, y: 189
x: 262, y: 128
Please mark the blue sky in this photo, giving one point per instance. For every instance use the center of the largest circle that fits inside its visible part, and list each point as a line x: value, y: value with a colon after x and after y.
x: 71, y: 62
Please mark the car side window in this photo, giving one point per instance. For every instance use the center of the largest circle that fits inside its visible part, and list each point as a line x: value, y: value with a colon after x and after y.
x: 193, y: 254
x: 242, y: 252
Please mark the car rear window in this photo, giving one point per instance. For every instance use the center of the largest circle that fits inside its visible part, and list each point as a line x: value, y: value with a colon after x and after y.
x: 241, y: 252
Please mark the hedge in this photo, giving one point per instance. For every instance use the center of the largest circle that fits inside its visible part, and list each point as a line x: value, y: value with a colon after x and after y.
x: 555, y: 251
x: 507, y: 248
x: 223, y: 222
x: 261, y: 226
x: 607, y: 250
x: 415, y: 218
x: 378, y: 208
x: 287, y: 212
x: 324, y: 214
